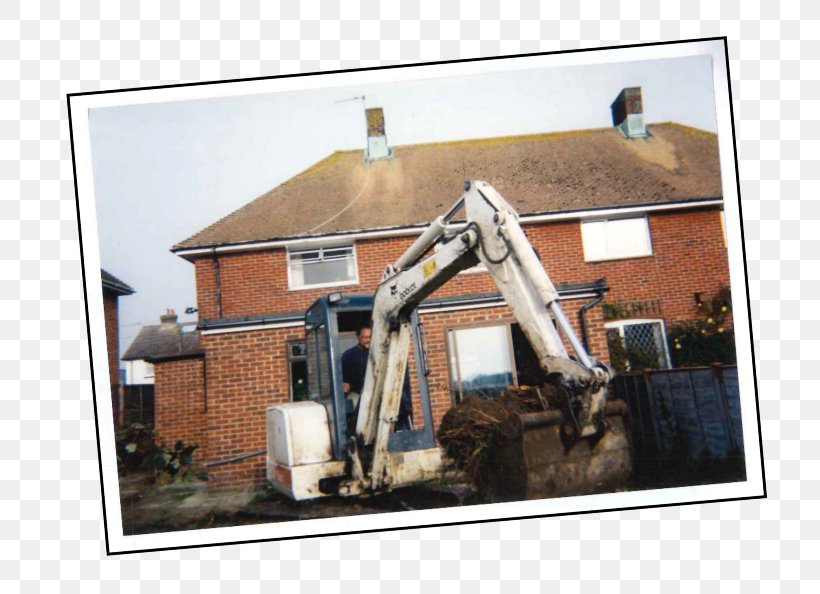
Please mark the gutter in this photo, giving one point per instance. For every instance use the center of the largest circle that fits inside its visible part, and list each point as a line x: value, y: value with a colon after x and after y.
x: 430, y: 305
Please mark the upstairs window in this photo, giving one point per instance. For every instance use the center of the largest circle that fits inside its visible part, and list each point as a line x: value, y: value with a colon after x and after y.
x: 613, y: 239
x: 324, y: 266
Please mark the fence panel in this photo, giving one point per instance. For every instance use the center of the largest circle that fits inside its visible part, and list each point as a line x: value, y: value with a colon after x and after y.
x: 139, y: 404
x: 684, y: 412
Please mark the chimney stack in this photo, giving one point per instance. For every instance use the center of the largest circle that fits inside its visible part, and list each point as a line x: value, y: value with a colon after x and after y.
x: 627, y: 113
x: 377, y: 147
x: 170, y: 317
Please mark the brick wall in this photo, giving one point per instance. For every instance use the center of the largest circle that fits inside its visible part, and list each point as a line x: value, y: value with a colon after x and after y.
x: 110, y: 309
x: 179, y: 403
x: 689, y: 256
x: 247, y: 371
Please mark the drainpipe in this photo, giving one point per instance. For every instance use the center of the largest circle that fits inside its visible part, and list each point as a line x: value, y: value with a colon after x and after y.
x: 582, y: 320
x: 218, y: 286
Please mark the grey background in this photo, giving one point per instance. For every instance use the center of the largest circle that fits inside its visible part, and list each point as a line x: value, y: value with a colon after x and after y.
x: 51, y: 531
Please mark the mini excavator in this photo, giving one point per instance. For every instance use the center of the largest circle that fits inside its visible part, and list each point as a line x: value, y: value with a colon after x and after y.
x: 317, y: 448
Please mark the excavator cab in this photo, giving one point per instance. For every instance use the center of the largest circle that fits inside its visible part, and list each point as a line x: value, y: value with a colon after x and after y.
x: 308, y: 440
x: 330, y: 329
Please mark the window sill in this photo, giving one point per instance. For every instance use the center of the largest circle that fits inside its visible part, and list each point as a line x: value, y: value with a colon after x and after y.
x: 324, y: 285
x: 614, y: 258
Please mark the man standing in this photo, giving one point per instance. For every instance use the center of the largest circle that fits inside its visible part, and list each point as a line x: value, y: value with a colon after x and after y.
x: 354, y: 369
x: 354, y: 365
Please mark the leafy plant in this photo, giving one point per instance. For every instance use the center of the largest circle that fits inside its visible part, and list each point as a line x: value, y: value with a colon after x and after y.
x: 707, y: 339
x: 133, y: 443
x: 173, y: 464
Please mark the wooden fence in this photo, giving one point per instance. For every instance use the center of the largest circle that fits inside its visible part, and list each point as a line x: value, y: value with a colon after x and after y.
x: 139, y: 404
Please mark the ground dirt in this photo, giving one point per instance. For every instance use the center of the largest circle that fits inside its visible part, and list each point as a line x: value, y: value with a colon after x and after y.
x: 149, y: 508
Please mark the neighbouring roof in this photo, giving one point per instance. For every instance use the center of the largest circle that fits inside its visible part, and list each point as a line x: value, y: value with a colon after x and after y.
x: 112, y: 283
x: 164, y: 341
x: 540, y: 173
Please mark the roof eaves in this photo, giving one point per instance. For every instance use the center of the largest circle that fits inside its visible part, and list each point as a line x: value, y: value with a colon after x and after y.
x: 176, y: 356
x: 191, y: 251
x: 112, y: 283
x: 240, y: 321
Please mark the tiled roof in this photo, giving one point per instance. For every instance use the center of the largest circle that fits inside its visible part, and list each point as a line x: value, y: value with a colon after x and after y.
x: 164, y: 341
x: 541, y: 173
x: 111, y: 282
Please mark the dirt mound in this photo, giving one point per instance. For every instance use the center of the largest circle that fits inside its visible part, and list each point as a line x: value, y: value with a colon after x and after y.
x: 470, y: 430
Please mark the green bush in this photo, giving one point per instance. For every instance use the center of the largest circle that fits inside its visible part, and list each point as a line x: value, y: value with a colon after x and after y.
x: 173, y: 464
x: 133, y: 443
x: 708, y: 339
x: 137, y: 449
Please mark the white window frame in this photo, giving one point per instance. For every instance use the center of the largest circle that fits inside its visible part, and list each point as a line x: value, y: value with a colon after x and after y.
x: 723, y: 227
x: 619, y: 325
x: 649, y: 252
x: 454, y: 373
x: 312, y: 247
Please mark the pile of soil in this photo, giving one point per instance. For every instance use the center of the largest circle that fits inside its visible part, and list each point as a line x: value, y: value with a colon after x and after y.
x: 470, y: 430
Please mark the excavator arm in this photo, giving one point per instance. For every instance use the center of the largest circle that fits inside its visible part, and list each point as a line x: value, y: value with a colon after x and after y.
x: 492, y: 236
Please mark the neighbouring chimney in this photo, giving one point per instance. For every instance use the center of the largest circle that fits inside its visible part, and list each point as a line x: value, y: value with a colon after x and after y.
x: 377, y: 147
x: 627, y: 113
x: 168, y: 318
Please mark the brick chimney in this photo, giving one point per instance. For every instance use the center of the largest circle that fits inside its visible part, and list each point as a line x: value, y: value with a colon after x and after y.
x: 627, y: 113
x: 169, y: 318
x: 377, y: 147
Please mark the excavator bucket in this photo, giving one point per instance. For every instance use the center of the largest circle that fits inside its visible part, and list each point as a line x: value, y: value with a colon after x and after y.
x: 534, y: 462
x: 513, y: 449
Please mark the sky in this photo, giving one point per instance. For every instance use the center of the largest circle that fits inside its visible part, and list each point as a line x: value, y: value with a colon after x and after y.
x: 164, y: 171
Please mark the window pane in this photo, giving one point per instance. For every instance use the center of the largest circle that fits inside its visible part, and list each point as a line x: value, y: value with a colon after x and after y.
x: 637, y: 345
x: 619, y: 238
x: 482, y: 360
x: 305, y: 256
x: 322, y: 266
x: 326, y: 272
x: 297, y: 349
x: 627, y: 237
x: 337, y: 253
x: 594, y: 237
x: 318, y: 360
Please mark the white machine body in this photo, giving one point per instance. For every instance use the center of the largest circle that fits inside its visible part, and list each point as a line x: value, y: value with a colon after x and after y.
x: 299, y: 450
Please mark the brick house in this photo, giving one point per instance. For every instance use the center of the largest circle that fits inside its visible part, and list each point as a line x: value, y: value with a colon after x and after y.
x: 630, y: 216
x: 113, y: 288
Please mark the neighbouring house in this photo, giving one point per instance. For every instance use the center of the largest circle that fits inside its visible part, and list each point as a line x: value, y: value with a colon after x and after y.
x: 176, y: 399
x: 138, y: 372
x: 113, y: 288
x: 628, y: 217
